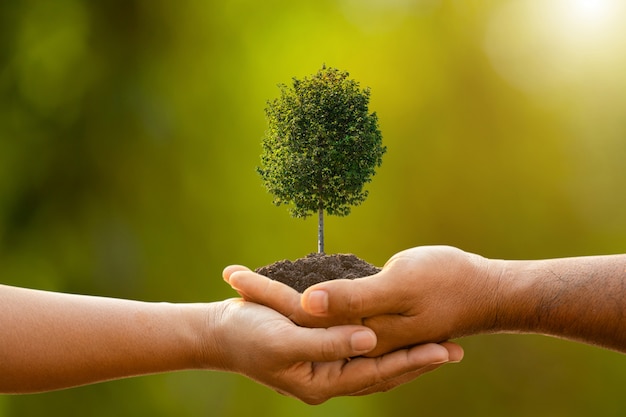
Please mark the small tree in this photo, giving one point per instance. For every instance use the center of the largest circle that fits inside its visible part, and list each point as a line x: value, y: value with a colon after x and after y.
x: 321, y: 146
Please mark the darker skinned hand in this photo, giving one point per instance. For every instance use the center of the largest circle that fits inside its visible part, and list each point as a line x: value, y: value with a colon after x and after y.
x: 422, y: 295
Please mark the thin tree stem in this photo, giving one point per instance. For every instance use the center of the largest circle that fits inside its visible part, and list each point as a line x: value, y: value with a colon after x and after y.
x: 320, y: 230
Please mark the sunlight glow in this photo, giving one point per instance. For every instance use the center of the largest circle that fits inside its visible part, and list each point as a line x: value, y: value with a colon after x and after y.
x: 593, y: 11
x: 538, y: 44
x: 591, y: 18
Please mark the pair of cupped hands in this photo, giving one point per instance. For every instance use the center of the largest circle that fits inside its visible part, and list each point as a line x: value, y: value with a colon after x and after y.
x: 355, y: 337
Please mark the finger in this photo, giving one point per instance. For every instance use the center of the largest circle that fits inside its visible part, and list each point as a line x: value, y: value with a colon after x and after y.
x: 401, y: 380
x: 455, y: 351
x: 262, y: 290
x: 455, y: 354
x: 331, y: 344
x: 388, y: 371
x: 361, y: 297
x: 229, y: 270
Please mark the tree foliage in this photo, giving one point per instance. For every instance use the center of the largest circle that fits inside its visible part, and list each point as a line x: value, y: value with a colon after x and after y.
x: 322, y: 145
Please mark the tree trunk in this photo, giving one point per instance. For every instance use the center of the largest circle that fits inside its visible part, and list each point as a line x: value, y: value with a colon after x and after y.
x: 320, y: 230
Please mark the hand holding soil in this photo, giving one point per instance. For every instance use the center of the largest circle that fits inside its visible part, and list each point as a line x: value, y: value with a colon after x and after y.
x: 417, y: 298
x: 267, y: 347
x: 436, y: 293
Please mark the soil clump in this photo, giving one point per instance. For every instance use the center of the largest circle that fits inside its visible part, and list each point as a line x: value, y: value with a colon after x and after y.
x: 315, y: 268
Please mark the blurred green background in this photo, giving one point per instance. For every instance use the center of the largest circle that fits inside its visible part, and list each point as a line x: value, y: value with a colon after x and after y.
x: 130, y: 132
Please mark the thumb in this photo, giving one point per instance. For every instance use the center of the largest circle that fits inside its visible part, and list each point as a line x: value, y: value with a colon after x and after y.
x: 354, y: 299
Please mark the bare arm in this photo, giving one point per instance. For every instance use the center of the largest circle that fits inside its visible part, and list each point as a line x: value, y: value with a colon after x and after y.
x: 581, y: 299
x: 431, y: 294
x: 52, y: 341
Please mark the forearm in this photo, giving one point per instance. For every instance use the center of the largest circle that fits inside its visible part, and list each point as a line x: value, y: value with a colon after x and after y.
x: 582, y: 299
x: 52, y: 341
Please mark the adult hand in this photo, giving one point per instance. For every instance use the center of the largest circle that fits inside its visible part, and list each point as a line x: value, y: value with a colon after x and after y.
x: 422, y: 295
x: 54, y: 340
x: 311, y: 364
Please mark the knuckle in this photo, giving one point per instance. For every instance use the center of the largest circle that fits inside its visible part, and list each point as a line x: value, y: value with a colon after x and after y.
x: 354, y: 302
x: 329, y: 350
x: 314, y: 399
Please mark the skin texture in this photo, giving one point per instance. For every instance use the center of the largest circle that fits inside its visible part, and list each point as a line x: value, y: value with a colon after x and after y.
x: 53, y: 341
x: 436, y: 293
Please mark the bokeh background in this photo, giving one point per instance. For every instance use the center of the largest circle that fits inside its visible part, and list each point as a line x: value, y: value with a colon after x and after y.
x: 130, y: 132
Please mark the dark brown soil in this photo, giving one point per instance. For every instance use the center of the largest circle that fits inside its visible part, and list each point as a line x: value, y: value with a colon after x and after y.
x: 316, y: 268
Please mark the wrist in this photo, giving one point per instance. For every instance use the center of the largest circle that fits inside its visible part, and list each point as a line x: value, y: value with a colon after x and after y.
x: 210, y: 328
x: 513, y: 301
x: 480, y: 295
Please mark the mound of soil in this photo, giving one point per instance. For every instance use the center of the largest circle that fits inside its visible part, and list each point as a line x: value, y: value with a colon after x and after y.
x: 316, y: 268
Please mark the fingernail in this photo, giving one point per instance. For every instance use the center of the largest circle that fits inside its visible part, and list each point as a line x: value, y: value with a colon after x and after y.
x: 444, y: 352
x: 232, y: 280
x: 318, y: 302
x: 362, y: 341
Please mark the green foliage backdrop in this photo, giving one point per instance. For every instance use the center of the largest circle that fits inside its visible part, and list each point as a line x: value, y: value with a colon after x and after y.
x: 130, y: 132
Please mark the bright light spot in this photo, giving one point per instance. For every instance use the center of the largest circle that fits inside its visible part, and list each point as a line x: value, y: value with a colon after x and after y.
x: 592, y: 11
x: 541, y: 44
x: 588, y: 18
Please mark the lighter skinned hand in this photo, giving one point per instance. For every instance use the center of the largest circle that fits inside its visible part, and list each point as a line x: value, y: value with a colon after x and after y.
x: 312, y: 365
x: 422, y: 295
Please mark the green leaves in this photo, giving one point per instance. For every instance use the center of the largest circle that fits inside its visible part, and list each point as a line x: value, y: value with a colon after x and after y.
x: 322, y: 145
